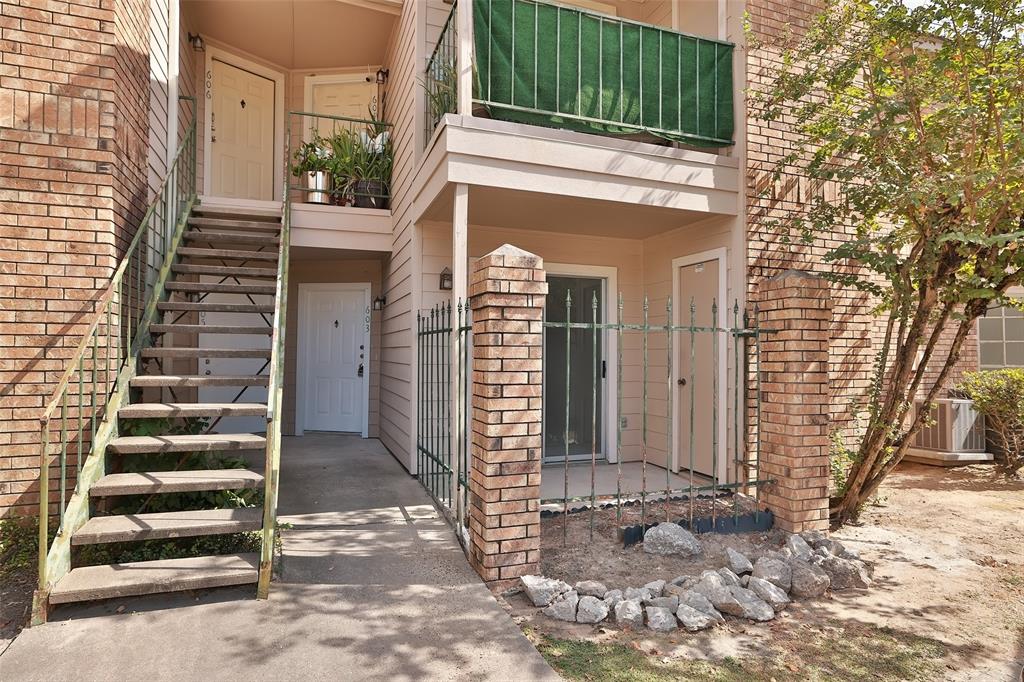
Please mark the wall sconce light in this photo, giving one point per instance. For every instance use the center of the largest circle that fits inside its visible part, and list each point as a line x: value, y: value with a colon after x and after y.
x: 196, y: 41
x: 382, y: 76
x: 379, y: 302
x: 446, y: 280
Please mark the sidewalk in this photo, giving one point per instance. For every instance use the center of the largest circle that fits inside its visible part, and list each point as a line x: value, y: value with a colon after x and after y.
x: 374, y: 587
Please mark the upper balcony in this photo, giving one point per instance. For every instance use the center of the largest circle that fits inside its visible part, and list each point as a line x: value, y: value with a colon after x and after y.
x: 569, y: 68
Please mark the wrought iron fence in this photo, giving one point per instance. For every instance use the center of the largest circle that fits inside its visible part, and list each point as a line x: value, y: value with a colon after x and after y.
x: 340, y: 161
x: 78, y: 418
x: 440, y: 80
x: 443, y: 457
x: 671, y: 470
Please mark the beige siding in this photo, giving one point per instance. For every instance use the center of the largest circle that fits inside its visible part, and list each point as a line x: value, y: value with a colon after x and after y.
x: 396, y: 383
x: 187, y: 76
x: 333, y: 272
x: 159, y: 92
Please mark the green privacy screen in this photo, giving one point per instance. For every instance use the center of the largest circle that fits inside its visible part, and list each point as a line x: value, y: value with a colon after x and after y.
x: 561, y: 67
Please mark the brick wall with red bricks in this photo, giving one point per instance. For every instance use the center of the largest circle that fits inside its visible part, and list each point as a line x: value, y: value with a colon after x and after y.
x: 73, y: 79
x: 507, y: 291
x: 855, y: 332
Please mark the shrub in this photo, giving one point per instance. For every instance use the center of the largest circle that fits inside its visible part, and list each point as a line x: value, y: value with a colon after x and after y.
x: 999, y: 395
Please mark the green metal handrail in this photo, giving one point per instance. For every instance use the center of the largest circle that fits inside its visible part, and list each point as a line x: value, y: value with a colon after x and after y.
x: 275, y: 390
x: 84, y: 403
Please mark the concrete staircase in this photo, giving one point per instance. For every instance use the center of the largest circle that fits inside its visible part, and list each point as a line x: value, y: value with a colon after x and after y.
x: 234, y: 247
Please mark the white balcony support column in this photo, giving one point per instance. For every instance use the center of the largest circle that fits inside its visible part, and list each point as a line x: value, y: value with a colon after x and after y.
x: 464, y: 58
x: 460, y: 281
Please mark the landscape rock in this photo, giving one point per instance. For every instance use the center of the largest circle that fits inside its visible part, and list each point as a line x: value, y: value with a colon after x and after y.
x: 693, y: 620
x: 836, y: 548
x: 661, y: 619
x: 813, y: 537
x: 751, y: 606
x: 775, y: 571
x: 655, y: 587
x: 629, y: 612
x: 732, y: 599
x: 808, y: 580
x: 612, y: 597
x: 684, y: 581
x: 670, y: 603
x: 729, y: 577
x: 590, y: 588
x: 591, y: 610
x: 738, y: 563
x: 699, y: 602
x: 799, y: 547
x: 670, y: 538
x: 542, y: 591
x: 637, y: 593
x: 744, y: 580
x: 672, y: 590
x: 564, y: 608
x: 844, y: 573
x: 768, y: 592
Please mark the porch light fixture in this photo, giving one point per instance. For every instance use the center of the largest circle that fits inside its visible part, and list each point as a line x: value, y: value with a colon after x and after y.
x: 382, y: 76
x: 379, y: 302
x: 196, y: 41
x: 446, y: 280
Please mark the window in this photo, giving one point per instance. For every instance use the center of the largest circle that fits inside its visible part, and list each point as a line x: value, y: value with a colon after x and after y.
x: 1001, y: 338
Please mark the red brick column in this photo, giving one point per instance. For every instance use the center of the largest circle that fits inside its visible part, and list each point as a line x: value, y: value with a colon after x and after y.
x: 507, y: 290
x: 796, y: 308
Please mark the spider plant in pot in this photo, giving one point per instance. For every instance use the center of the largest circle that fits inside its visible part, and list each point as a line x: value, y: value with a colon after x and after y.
x: 312, y: 160
x: 344, y: 164
x: 373, y: 172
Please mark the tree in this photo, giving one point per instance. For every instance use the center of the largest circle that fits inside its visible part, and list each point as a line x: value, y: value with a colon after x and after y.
x: 917, y: 115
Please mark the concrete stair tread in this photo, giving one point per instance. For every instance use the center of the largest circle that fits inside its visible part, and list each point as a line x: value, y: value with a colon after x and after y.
x: 233, y: 237
x: 163, y: 525
x: 216, y: 307
x: 208, y: 329
x: 219, y: 223
x: 152, y: 577
x: 226, y: 254
x: 172, y: 410
x: 160, y: 352
x: 223, y: 288
x: 224, y: 270
x: 175, y: 482
x: 194, y: 380
x: 133, y: 445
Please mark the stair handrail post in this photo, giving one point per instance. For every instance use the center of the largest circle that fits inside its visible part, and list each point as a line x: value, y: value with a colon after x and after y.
x: 55, y: 560
x: 272, y: 464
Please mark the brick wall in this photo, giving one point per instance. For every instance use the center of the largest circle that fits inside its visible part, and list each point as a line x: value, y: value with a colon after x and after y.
x: 70, y: 139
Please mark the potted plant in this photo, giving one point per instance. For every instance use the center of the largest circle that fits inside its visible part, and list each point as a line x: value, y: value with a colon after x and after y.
x: 343, y: 164
x: 360, y: 165
x: 312, y: 160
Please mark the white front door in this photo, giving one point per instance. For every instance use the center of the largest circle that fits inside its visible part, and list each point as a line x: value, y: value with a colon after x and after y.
x: 349, y: 98
x: 334, y: 363
x: 241, y: 134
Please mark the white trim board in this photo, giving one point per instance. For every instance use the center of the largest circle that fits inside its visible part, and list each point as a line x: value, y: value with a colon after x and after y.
x: 278, y: 78
x: 301, y: 380
x: 720, y: 254
x: 611, y: 406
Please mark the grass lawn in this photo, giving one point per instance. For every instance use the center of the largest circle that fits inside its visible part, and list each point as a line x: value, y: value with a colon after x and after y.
x: 861, y: 653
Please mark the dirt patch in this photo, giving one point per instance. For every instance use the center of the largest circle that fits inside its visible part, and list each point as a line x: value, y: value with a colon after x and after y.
x: 947, y: 549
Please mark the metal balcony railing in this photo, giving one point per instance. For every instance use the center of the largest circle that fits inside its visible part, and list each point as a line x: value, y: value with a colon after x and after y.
x: 563, y: 67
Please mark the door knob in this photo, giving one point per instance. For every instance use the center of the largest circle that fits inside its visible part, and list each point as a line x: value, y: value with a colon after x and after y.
x: 359, y: 373
x: 681, y: 382
x: 335, y: 324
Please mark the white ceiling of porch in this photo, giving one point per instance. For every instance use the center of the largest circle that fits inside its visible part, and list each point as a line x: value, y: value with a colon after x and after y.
x: 296, y: 34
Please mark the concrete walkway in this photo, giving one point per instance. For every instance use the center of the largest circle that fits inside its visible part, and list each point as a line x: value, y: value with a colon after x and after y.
x: 374, y: 587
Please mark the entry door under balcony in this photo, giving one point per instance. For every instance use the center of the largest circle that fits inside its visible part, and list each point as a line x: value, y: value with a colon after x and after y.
x: 581, y: 361
x: 241, y: 133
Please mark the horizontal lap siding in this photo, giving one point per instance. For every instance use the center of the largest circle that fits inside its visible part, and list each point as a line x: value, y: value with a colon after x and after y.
x: 396, y: 382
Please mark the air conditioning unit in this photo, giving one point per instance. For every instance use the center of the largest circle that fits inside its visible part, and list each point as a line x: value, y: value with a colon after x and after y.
x: 954, y: 434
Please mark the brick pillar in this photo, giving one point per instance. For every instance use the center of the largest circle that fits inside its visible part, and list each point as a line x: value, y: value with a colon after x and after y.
x: 507, y: 290
x: 796, y: 308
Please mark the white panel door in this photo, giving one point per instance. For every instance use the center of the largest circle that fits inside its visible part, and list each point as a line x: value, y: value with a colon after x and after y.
x: 241, y: 134
x: 334, y: 359
x: 351, y: 99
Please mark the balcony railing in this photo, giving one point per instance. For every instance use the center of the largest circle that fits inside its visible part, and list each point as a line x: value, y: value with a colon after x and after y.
x: 562, y: 67
x: 341, y: 161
